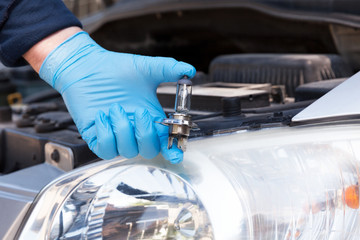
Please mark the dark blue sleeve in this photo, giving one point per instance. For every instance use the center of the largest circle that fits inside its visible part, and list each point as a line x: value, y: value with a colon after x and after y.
x: 23, y: 23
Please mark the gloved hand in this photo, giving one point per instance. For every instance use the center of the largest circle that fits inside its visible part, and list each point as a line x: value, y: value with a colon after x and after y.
x: 112, y: 96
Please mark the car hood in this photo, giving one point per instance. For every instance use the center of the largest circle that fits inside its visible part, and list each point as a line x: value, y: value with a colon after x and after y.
x: 343, y: 12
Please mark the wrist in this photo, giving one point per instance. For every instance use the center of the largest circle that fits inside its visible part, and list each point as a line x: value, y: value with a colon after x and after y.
x: 63, y: 66
x: 36, y: 55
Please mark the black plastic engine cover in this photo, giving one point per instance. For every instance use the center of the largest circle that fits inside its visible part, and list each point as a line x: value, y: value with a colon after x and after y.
x: 24, y: 147
x: 316, y: 90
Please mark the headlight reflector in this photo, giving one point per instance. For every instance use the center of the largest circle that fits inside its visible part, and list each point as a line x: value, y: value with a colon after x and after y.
x: 132, y: 202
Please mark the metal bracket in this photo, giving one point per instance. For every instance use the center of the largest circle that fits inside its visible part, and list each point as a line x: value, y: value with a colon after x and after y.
x: 59, y: 156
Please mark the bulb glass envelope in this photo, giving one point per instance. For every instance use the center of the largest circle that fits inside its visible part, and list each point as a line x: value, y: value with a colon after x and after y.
x: 183, y: 96
x: 284, y: 183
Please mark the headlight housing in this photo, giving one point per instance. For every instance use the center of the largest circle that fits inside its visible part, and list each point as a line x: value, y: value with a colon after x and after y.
x: 132, y: 202
x: 285, y: 183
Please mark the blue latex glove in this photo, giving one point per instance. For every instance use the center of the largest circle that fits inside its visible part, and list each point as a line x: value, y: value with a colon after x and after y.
x: 112, y: 96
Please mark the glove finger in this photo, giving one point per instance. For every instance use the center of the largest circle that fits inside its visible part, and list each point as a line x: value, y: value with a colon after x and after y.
x: 164, y: 69
x: 123, y: 131
x: 173, y: 155
x: 104, y: 145
x: 146, y: 134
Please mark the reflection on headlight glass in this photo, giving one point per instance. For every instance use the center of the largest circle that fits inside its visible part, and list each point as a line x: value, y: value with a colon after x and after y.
x: 136, y: 202
x: 297, y: 191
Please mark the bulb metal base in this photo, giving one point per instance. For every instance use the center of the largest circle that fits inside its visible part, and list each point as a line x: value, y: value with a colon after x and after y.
x: 179, y: 127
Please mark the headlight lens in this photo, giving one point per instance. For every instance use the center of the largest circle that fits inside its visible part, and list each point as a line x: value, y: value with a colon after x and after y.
x: 287, y: 183
x: 132, y: 202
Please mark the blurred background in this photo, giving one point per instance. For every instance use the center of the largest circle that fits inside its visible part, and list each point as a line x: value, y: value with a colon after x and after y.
x: 83, y: 8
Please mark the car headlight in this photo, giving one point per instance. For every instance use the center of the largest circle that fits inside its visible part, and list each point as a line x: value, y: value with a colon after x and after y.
x: 285, y: 183
x: 132, y: 202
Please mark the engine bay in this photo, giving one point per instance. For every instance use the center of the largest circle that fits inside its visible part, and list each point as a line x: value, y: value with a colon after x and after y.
x: 257, y: 67
x: 240, y: 92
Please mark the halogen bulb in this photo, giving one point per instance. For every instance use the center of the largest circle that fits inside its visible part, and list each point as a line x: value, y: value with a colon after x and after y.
x: 183, y: 96
x: 180, y: 122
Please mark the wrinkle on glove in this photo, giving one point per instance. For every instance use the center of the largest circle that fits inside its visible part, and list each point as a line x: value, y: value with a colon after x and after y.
x: 112, y: 96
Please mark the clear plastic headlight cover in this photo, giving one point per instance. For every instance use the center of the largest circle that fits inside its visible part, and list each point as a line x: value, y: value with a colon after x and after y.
x: 136, y: 202
x: 285, y: 183
x: 132, y: 202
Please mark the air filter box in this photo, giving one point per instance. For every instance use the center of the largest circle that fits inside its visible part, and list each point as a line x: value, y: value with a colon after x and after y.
x: 290, y: 70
